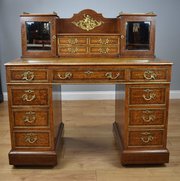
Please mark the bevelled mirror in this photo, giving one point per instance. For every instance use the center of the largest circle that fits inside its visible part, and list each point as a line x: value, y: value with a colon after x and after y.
x: 38, y: 35
x: 138, y: 35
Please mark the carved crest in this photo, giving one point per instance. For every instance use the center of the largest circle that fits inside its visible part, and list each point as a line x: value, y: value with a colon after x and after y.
x: 87, y: 23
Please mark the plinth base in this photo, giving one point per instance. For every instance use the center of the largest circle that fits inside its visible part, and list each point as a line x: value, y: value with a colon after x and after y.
x: 141, y: 156
x: 36, y: 158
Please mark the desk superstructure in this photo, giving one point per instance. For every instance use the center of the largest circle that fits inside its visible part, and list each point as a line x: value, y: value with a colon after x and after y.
x: 140, y: 126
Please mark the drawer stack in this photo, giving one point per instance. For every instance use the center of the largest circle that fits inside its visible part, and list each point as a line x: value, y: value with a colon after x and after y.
x: 147, y: 108
x: 29, y: 103
x: 75, y: 46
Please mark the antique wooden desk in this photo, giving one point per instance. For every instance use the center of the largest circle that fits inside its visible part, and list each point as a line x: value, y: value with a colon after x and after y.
x: 140, y: 126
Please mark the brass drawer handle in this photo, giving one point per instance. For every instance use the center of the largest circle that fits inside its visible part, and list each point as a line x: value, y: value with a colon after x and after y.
x: 28, y: 96
x: 73, y: 50
x: 30, y: 117
x: 54, y: 37
x: 104, y: 50
x: 148, y: 116
x: 28, y: 76
x: 149, y: 95
x: 72, y: 41
x: 31, y: 138
x: 67, y: 75
x: 109, y: 75
x: 150, y: 75
x: 147, y: 137
x: 103, y: 41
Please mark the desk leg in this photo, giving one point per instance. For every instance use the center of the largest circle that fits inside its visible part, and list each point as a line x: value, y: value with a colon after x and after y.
x: 141, y: 144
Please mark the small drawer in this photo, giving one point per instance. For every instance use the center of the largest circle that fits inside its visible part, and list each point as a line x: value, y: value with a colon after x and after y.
x: 87, y: 75
x: 147, y: 95
x: 140, y: 117
x: 29, y: 96
x: 31, y: 139
x: 73, y: 50
x: 29, y: 75
x: 72, y: 40
x: 149, y: 75
x: 30, y: 118
x: 104, y: 50
x: 146, y: 138
x: 101, y: 40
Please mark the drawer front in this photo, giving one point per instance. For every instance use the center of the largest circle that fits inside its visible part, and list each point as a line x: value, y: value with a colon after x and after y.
x: 100, y: 40
x: 104, y: 50
x: 69, y: 75
x: 72, y: 50
x: 149, y: 75
x: 31, y: 139
x: 147, y: 117
x: 30, y: 118
x: 147, y: 95
x: 72, y: 40
x: 146, y: 138
x: 28, y: 75
x: 29, y: 96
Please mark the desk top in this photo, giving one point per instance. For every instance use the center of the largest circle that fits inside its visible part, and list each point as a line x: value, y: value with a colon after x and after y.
x: 88, y: 61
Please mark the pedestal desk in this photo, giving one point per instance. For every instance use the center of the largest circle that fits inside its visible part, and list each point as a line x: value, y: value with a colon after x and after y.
x: 140, y: 126
x: 88, y: 48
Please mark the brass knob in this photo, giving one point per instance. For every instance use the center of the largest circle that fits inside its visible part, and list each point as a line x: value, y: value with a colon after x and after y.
x: 122, y: 36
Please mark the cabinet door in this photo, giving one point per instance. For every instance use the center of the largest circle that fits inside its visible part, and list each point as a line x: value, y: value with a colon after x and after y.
x: 137, y: 36
x: 38, y: 36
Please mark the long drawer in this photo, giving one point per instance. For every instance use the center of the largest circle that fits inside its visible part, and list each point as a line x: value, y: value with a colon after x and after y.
x: 87, y: 75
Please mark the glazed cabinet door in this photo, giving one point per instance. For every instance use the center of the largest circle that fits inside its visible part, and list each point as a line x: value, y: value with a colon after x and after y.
x: 38, y: 35
x: 137, y: 35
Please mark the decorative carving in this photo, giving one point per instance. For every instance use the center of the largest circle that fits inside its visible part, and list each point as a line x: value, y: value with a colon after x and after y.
x: 88, y: 23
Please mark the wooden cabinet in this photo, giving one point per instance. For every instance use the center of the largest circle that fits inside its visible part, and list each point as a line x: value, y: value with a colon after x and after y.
x: 38, y: 35
x: 88, y: 34
x: 137, y: 35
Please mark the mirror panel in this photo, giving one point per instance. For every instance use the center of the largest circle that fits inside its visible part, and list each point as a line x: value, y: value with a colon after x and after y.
x: 38, y: 36
x: 138, y: 35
